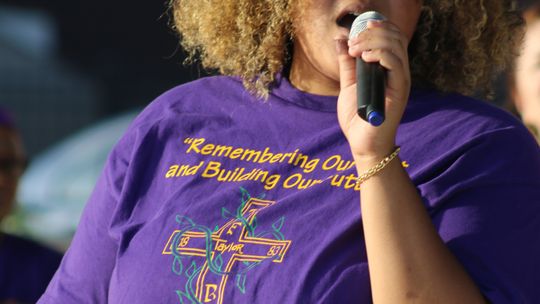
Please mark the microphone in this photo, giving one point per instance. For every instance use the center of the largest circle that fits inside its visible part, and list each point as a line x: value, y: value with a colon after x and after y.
x: 370, y: 77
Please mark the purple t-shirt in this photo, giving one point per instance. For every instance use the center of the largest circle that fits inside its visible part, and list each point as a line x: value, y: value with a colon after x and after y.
x: 213, y: 196
x: 26, y: 268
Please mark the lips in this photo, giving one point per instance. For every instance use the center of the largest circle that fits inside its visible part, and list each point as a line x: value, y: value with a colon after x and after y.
x: 346, y: 20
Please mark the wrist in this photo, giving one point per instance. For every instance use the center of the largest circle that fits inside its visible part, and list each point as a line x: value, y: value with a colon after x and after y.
x: 370, y: 166
x: 369, y: 159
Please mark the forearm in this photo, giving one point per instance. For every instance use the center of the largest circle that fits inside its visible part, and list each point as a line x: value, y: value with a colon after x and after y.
x: 408, y: 261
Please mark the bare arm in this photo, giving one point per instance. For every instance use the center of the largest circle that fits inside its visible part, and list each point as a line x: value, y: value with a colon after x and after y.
x: 407, y: 259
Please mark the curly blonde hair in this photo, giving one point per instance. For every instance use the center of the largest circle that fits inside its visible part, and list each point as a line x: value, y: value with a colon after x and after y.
x: 459, y: 45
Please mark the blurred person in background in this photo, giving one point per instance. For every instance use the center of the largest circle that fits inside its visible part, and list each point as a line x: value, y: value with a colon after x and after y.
x: 25, y: 266
x: 525, y: 81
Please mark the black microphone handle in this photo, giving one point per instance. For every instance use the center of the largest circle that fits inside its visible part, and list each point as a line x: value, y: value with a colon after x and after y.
x: 370, y: 90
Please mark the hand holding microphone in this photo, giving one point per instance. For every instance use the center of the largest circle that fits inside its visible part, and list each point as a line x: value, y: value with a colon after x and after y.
x: 370, y: 77
x: 375, y: 82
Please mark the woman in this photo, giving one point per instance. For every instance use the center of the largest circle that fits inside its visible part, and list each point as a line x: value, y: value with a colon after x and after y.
x: 245, y: 188
x: 525, y: 83
x: 26, y: 267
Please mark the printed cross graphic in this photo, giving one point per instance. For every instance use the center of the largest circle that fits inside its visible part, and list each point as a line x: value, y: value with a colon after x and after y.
x: 234, y: 244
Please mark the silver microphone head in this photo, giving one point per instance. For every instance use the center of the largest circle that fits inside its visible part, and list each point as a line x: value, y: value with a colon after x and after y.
x: 360, y: 23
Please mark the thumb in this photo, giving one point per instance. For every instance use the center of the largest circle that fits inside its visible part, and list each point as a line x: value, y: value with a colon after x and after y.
x: 347, y: 64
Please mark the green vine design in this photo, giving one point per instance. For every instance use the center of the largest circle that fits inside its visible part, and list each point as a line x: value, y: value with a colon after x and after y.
x: 187, y: 295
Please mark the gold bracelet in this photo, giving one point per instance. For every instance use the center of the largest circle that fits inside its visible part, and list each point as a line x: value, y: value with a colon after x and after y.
x: 369, y: 173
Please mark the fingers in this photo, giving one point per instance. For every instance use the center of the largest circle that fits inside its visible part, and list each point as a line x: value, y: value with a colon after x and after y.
x: 377, y: 42
x: 379, y: 35
x: 347, y: 65
x: 383, y: 42
x: 396, y: 67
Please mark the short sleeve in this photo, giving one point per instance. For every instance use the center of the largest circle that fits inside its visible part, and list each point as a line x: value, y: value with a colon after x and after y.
x: 84, y: 275
x: 85, y: 271
x: 497, y: 241
x: 490, y: 216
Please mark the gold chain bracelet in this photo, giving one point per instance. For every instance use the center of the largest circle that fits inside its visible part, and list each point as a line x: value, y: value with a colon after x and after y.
x: 381, y: 165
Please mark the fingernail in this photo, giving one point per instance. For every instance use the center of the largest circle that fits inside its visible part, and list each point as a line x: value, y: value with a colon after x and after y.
x: 341, y: 46
x: 374, y: 23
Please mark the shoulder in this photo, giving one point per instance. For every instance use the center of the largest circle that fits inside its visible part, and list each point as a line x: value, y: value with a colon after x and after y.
x: 457, y: 111
x: 185, y: 102
x: 206, y: 86
x: 205, y: 95
x: 455, y: 120
x: 457, y: 141
x: 204, y: 89
x: 23, y: 249
x: 27, y: 268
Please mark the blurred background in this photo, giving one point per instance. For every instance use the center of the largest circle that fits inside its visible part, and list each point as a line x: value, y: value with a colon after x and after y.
x: 73, y: 74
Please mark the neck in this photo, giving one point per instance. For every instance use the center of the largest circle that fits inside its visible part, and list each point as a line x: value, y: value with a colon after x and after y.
x: 307, y: 78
